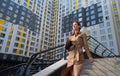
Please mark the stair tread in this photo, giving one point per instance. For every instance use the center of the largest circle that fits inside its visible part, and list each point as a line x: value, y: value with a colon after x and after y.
x: 102, y: 67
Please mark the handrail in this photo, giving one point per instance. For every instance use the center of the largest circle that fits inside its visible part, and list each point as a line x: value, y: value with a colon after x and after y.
x: 13, y: 67
x: 102, y: 45
x: 32, y: 58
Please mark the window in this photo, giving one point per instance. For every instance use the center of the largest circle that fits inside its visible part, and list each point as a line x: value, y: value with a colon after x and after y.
x: 88, y: 18
x: 2, y: 35
x: 93, y: 22
x: 8, y: 43
x: 105, y: 7
x: 98, y: 1
x: 62, y: 40
x: 10, y: 8
x: 110, y: 37
x: 109, y: 30
x: 16, y: 44
x: 100, y: 14
x: 91, y: 2
x: 106, y: 13
x: 16, y: 11
x: 113, y: 50
x: 80, y: 19
x: 3, y: 4
x: 102, y: 31
x: 2, y: 10
x: 4, y: 29
x: 21, y: 51
x: 92, y: 12
x: 22, y: 46
x: 93, y: 17
x: 6, y: 49
x: 18, y: 33
x: 87, y: 13
x: 9, y: 37
x: 74, y: 12
x: 1, y: 41
x: 111, y: 44
x: 7, y: 18
x: 99, y: 9
x: 100, y: 20
x: 118, y: 29
x: 99, y: 4
x: 103, y: 38
x: 80, y: 10
x: 14, y: 50
x: 102, y: 25
x: 12, y: 3
x: 87, y: 9
x: 94, y: 33
x: 114, y: 5
x: 92, y: 7
x: 80, y: 14
x: 104, y: 1
x: 108, y: 23
x: 118, y: 23
x: 23, y: 13
x: 105, y: 44
x: 107, y: 17
x: 88, y: 23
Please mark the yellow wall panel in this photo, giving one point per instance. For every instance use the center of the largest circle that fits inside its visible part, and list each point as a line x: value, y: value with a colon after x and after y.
x: 9, y: 40
x: 118, y: 26
x: 12, y: 28
x: 119, y: 33
x: 7, y: 46
x: 1, y: 14
x: 1, y: 27
x: 17, y: 51
x: 20, y: 40
x: 28, y: 4
x: 19, y: 45
x: 10, y: 34
x: 113, y: 2
x: 2, y: 21
x: 115, y: 8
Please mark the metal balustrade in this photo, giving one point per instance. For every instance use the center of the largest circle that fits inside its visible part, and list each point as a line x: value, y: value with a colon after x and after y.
x: 43, y: 59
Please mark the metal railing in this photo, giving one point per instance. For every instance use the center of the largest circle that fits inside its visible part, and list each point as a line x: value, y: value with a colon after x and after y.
x: 33, y: 57
x: 51, y: 55
x: 41, y: 59
x: 99, y: 49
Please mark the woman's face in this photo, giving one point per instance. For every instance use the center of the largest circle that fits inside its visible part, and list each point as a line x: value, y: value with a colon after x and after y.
x: 75, y: 26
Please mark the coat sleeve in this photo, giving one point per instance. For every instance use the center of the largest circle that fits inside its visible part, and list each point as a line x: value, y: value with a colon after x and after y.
x: 86, y: 47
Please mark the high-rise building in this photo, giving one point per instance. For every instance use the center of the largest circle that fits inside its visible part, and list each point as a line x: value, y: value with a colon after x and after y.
x: 36, y: 22
x: 115, y: 11
x: 48, y: 23
x: 99, y: 17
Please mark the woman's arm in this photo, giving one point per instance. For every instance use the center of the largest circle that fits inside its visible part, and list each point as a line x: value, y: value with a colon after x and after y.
x: 87, y: 47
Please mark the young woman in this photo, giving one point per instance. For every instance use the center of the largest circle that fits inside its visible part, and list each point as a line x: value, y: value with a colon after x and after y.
x: 75, y: 52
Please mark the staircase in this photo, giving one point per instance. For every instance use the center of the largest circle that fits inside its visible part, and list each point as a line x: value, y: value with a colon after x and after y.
x: 105, y: 62
x: 102, y: 67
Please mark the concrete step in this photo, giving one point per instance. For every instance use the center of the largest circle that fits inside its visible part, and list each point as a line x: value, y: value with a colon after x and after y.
x: 102, y: 67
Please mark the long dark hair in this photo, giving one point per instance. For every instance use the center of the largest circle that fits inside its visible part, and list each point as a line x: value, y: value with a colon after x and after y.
x: 73, y: 33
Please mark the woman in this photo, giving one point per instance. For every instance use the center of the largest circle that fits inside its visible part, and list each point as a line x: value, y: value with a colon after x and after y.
x: 76, y: 57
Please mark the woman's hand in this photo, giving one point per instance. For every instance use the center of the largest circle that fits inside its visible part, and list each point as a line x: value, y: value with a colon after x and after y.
x: 91, y: 59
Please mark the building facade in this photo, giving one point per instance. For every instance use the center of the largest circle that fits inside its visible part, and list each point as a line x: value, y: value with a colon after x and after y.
x: 98, y: 17
x: 35, y: 18
x: 29, y: 26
